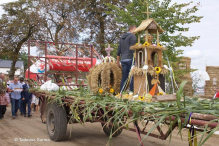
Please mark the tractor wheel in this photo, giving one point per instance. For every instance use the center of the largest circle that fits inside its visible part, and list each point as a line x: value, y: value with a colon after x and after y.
x: 56, y: 122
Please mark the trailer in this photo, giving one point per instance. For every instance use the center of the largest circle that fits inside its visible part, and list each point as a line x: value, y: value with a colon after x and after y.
x: 70, y: 108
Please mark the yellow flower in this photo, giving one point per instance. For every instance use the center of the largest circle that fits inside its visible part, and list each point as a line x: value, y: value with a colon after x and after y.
x: 136, y: 44
x: 146, y: 44
x: 158, y: 70
x: 159, y: 45
x: 126, y: 96
x: 160, y: 93
x: 100, y: 90
x: 111, y: 90
x: 141, y: 97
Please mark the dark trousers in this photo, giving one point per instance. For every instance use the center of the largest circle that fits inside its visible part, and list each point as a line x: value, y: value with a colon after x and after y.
x: 126, y: 66
x: 14, y: 106
x: 2, y: 110
x: 27, y: 102
x: 20, y: 106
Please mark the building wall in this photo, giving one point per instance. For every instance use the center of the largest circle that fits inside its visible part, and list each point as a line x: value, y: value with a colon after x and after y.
x: 186, y: 64
x: 210, y: 86
x: 6, y: 70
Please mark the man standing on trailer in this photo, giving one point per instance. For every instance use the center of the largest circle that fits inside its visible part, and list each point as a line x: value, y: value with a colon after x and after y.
x: 127, y: 40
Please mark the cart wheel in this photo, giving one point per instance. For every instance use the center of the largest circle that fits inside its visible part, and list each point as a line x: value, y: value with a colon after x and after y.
x: 56, y: 122
x: 107, y: 130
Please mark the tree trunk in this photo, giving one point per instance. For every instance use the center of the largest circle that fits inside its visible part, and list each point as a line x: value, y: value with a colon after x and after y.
x: 102, y: 36
x: 13, y: 69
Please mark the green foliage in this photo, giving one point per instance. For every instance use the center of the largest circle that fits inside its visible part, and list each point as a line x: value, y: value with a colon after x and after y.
x: 23, y: 56
x: 98, y: 25
x: 86, y: 106
x: 17, y: 25
x: 174, y: 19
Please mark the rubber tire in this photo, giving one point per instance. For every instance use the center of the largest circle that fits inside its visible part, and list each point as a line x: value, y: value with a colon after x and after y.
x: 57, y: 119
x: 107, y: 130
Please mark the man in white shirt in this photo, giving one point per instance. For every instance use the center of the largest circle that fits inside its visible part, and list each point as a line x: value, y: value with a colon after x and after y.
x: 15, y: 88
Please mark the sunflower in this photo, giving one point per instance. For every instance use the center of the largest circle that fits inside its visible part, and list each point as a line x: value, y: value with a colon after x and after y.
x: 141, y: 97
x: 146, y: 44
x: 100, y: 90
x: 111, y: 90
x: 158, y: 70
x: 159, y: 45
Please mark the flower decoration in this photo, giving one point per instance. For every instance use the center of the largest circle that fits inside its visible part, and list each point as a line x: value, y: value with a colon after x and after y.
x: 148, y: 98
x: 160, y: 93
x: 159, y: 45
x: 136, y: 44
x: 145, y: 67
x: 157, y: 70
x: 146, y: 44
x: 100, y: 90
x: 111, y: 90
x: 126, y: 95
x: 141, y: 97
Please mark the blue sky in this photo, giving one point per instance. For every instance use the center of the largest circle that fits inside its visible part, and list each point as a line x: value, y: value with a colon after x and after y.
x: 205, y: 51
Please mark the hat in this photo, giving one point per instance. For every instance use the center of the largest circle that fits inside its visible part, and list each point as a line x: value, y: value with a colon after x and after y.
x: 69, y: 76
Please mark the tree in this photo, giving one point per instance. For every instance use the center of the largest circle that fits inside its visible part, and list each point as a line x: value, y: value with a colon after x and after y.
x: 59, y: 23
x: 172, y: 18
x: 17, y: 25
x: 23, y: 56
x: 98, y: 26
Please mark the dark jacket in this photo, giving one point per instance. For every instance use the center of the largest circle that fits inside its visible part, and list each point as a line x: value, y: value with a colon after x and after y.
x: 25, y: 93
x: 128, y: 39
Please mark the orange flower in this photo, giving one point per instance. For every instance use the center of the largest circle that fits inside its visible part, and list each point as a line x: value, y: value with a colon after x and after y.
x: 100, y: 90
x: 111, y: 90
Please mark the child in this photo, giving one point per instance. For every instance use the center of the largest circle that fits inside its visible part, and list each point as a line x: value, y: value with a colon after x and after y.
x: 3, y: 103
x: 37, y: 104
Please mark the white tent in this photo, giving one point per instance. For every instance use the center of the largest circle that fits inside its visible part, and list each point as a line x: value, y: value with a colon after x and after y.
x: 201, y: 75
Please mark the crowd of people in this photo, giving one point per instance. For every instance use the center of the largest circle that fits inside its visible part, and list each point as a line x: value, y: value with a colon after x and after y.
x: 17, y: 93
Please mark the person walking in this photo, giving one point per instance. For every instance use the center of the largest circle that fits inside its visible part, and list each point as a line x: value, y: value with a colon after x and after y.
x: 3, y: 100
x: 20, y: 106
x: 15, y: 88
x: 2, y: 77
x: 26, y: 98
x: 37, y: 105
x: 127, y: 40
x: 3, y: 103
